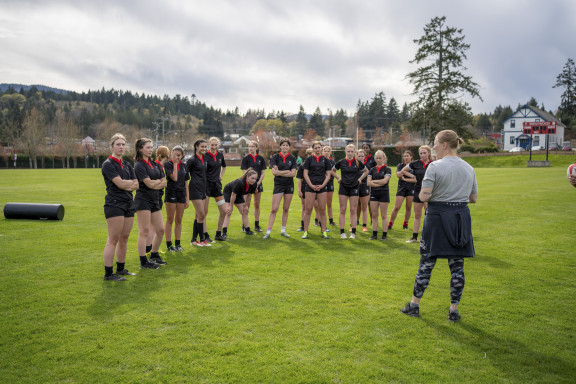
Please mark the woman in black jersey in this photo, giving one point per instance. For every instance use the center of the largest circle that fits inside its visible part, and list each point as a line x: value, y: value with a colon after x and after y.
x: 162, y: 155
x: 196, y: 167
x: 327, y: 152
x: 148, y: 212
x: 256, y: 162
x: 120, y: 181
x: 352, y: 173
x: 419, y: 169
x: 378, y: 179
x: 302, y: 190
x: 317, y: 172
x: 405, y: 191
x: 283, y: 167
x: 176, y: 198
x: 234, y: 193
x: 364, y: 191
x: 215, y: 169
x: 369, y: 160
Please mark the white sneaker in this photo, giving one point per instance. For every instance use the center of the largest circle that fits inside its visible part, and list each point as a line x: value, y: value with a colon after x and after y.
x: 352, y: 235
x: 284, y: 234
x: 412, y: 241
x: 342, y: 235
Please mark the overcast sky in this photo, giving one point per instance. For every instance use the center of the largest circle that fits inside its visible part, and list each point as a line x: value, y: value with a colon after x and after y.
x: 278, y: 54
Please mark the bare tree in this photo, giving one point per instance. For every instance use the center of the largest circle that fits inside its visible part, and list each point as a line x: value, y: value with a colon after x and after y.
x: 33, y: 135
x: 68, y: 133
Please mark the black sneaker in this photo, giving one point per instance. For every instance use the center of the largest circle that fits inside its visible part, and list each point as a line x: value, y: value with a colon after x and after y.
x: 114, y: 277
x: 171, y: 248
x: 220, y: 238
x: 332, y: 223
x: 249, y: 232
x: 384, y: 238
x: 150, y: 265
x: 411, y: 311
x: 243, y: 229
x: 453, y: 316
x: 158, y: 260
x: 208, y: 239
x: 405, y: 227
x: 373, y: 238
x: 389, y: 227
x: 258, y: 229
x: 125, y: 272
x: 178, y: 248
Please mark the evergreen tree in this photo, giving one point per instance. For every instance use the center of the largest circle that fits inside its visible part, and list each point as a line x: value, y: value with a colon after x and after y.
x: 317, y: 123
x: 567, y: 81
x: 301, y: 122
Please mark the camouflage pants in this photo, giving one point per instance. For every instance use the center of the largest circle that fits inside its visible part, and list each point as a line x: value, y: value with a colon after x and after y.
x: 425, y: 271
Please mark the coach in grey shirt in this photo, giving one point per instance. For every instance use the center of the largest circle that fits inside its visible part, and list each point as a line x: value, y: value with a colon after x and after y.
x: 449, y: 185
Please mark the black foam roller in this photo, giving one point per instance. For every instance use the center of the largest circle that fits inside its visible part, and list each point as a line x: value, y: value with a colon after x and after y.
x: 32, y: 211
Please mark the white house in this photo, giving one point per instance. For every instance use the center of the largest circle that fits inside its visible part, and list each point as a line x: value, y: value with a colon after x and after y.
x: 513, y: 136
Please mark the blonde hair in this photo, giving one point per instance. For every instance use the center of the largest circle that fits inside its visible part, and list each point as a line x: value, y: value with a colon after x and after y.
x: 450, y: 137
x: 215, y: 139
x: 162, y: 153
x: 316, y: 143
x: 309, y: 151
x: 380, y: 152
x: 327, y: 146
x: 116, y: 137
x: 426, y: 147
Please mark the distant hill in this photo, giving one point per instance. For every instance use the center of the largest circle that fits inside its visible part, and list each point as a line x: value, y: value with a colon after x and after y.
x: 4, y: 87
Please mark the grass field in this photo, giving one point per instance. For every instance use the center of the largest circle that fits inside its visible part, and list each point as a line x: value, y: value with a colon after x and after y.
x: 289, y: 310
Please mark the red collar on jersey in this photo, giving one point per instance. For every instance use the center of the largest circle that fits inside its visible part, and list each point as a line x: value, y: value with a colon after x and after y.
x: 253, y: 157
x: 118, y: 161
x: 379, y: 168
x: 350, y: 161
x: 212, y: 155
x: 149, y: 163
x: 284, y: 157
x: 425, y: 164
x: 201, y: 159
x: 317, y: 158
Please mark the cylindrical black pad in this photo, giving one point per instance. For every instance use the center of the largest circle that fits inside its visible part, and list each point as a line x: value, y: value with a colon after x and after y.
x: 34, y: 211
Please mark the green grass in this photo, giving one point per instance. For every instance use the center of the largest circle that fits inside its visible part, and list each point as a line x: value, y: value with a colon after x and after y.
x: 519, y: 161
x: 289, y: 310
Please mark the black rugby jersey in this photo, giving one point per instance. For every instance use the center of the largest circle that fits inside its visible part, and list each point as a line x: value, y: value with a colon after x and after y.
x: 183, y: 176
x: 350, y: 170
x: 111, y: 168
x: 239, y: 187
x: 419, y: 168
x: 402, y: 183
x: 379, y: 173
x: 257, y: 163
x: 196, y: 167
x: 287, y: 163
x: 214, y: 164
x: 369, y: 162
x: 300, y: 174
x: 145, y: 170
x: 317, y: 167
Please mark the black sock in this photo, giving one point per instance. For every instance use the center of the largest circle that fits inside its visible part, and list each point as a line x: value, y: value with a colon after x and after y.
x: 301, y: 223
x: 225, y: 230
x: 143, y: 260
x: 331, y: 221
x: 120, y: 267
x: 195, y: 231
x: 108, y: 270
x: 148, y: 248
x: 384, y: 235
x: 256, y: 224
x: 353, y: 230
x: 168, y: 244
x: 341, y: 230
x: 374, y: 233
x: 247, y: 229
x: 154, y: 254
x: 218, y: 233
x: 177, y: 242
x: 200, y: 230
x: 415, y: 235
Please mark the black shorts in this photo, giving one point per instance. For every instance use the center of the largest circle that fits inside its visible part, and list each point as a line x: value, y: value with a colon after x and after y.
x: 147, y: 205
x: 214, y: 189
x: 126, y: 210
x: 285, y: 189
x: 175, y: 197
x: 196, y: 194
x: 330, y: 185
x: 363, y: 191
x: 260, y: 188
x: 417, y: 197
x: 239, y: 198
x: 303, y: 189
x: 405, y: 191
x: 380, y: 196
x: 310, y: 190
x: 348, y: 191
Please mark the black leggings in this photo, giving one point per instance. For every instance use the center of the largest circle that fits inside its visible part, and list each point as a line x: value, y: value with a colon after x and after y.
x: 425, y: 271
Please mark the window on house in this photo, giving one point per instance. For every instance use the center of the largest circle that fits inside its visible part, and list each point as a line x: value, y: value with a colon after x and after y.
x: 512, y: 124
x: 511, y: 139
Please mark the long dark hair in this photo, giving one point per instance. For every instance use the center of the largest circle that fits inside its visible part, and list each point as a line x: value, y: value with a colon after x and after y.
x: 140, y: 143
x: 197, y: 144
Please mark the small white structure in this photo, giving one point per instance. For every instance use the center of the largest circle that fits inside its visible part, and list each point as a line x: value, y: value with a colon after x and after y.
x: 513, y: 136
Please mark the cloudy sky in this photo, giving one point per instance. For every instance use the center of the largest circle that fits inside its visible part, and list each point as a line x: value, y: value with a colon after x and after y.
x: 278, y: 54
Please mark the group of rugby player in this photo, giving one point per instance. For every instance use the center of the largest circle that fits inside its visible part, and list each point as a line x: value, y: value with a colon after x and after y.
x: 363, y: 183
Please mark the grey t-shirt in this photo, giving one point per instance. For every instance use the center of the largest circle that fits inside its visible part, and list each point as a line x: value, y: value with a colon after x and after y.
x: 451, y: 179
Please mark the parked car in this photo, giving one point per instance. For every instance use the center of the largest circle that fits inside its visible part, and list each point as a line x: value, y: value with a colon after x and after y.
x: 566, y: 148
x: 516, y: 149
x: 538, y: 148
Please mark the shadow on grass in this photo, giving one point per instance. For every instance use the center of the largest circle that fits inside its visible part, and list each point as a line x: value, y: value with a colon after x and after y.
x: 513, y: 358
x: 494, y: 261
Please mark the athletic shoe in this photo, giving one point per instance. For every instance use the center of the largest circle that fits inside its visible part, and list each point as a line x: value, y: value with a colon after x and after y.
x: 453, y: 316
x: 225, y: 236
x: 384, y: 239
x: 352, y: 236
x: 125, y: 272
x: 412, y: 240
x: 114, y: 277
x: 405, y: 227
x: 284, y: 234
x: 266, y: 236
x: 342, y: 235
x: 220, y: 238
x: 197, y: 243
x: 243, y: 229
x: 249, y: 232
x: 178, y: 248
x: 150, y: 265
x: 389, y: 227
x: 305, y: 235
x: 300, y: 229
x: 364, y: 229
x: 258, y: 229
x: 411, y: 311
x: 171, y: 248
x: 206, y: 243
x: 325, y: 235
x: 327, y: 230
x: 209, y: 240
x: 158, y: 260
x: 332, y: 223
x: 373, y: 238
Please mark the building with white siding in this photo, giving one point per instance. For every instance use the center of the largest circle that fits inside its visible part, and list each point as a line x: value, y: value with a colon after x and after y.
x: 513, y: 136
